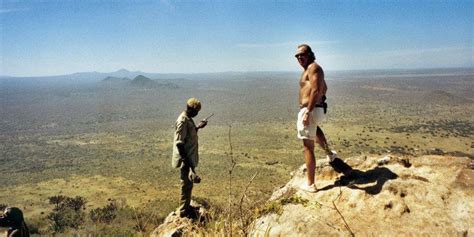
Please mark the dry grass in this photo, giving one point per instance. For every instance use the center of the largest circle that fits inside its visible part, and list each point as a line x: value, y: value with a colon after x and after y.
x: 117, y: 144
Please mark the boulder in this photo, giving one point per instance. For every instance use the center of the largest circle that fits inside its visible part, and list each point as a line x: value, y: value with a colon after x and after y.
x: 380, y: 196
x: 176, y: 226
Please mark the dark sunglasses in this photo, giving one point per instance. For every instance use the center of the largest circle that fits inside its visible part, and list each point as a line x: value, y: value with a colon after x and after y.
x: 300, y: 55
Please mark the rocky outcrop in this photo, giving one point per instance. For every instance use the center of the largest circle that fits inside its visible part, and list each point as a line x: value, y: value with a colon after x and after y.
x: 388, y: 196
x: 175, y: 226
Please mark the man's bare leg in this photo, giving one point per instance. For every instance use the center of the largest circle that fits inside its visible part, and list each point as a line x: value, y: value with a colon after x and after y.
x: 309, y: 159
x: 322, y: 141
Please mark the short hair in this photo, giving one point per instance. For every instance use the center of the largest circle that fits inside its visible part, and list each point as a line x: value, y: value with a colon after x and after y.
x: 309, y: 51
x: 194, y: 103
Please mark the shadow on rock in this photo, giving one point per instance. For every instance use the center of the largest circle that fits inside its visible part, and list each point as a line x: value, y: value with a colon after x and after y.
x: 196, y: 213
x: 353, y: 177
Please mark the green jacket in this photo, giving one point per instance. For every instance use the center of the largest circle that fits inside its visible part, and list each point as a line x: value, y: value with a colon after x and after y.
x: 185, y: 133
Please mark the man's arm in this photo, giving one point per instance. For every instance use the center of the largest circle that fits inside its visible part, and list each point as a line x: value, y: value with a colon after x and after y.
x: 315, y: 76
x: 184, y: 159
x: 202, y: 124
x: 192, y: 176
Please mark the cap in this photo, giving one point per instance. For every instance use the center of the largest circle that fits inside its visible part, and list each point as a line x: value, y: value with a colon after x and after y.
x: 194, y: 103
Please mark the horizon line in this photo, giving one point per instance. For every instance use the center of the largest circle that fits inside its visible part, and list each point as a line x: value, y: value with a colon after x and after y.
x: 222, y: 72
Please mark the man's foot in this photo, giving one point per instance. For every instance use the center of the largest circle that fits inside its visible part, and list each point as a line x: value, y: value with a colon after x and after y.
x: 309, y: 188
x: 191, y: 213
x: 331, y: 157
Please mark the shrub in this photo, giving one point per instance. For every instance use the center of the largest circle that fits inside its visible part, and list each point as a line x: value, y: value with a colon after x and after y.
x: 68, y: 212
x: 106, y: 214
x: 56, y: 200
x: 277, y: 205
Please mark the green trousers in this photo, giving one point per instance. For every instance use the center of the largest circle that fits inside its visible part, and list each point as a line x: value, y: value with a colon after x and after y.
x: 186, y: 189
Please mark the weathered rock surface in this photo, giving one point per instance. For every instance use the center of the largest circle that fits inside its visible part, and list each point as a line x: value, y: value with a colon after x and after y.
x: 175, y: 226
x: 383, y: 196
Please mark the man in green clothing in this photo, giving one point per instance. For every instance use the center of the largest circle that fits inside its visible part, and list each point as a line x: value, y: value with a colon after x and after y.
x: 185, y: 153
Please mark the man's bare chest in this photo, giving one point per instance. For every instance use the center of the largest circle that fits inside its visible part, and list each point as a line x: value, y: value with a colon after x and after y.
x: 304, y: 80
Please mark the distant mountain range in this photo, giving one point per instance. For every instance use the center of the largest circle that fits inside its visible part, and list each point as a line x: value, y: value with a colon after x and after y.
x: 123, y: 73
x: 99, y: 76
x: 139, y: 81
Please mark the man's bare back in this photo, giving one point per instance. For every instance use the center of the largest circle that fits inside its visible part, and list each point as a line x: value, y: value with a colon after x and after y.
x: 306, y: 85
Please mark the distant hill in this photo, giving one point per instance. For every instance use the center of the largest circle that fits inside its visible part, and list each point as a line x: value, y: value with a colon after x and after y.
x: 143, y: 81
x: 116, y: 79
x: 125, y: 73
x: 139, y: 81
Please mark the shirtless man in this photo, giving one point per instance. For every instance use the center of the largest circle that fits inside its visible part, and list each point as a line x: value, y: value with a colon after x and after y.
x: 312, y: 112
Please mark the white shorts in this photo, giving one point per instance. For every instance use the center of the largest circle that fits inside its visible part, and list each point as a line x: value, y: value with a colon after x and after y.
x: 316, y: 117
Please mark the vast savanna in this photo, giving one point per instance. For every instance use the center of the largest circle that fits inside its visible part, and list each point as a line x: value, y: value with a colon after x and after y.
x: 104, y: 143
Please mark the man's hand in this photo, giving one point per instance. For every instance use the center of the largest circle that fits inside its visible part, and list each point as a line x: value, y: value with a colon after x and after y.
x: 306, y: 118
x: 193, y: 177
x: 202, y: 124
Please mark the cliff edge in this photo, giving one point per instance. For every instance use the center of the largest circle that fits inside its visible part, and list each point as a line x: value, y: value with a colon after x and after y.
x: 388, y: 195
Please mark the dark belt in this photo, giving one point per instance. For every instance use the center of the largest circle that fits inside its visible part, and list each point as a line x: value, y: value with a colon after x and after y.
x: 322, y: 105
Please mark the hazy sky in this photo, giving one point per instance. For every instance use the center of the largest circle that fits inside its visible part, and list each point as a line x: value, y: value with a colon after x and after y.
x: 62, y: 37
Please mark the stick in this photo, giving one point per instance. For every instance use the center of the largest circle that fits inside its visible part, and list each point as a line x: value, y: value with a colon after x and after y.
x: 242, y: 200
x: 209, y: 117
x: 340, y: 214
x: 231, y: 168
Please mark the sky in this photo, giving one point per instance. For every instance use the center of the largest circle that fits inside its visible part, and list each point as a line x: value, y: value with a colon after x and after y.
x: 40, y: 38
